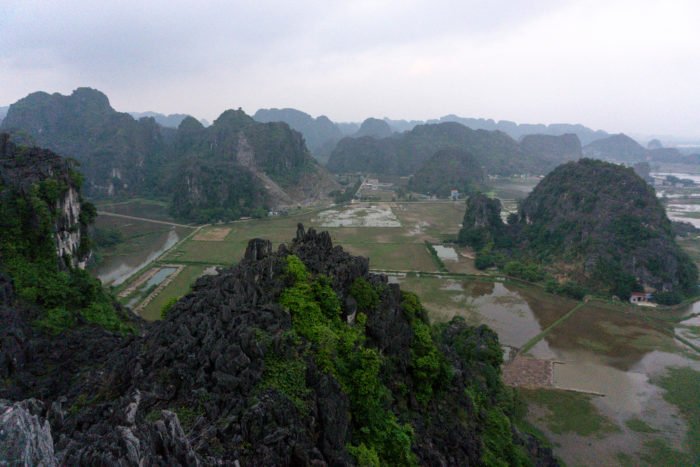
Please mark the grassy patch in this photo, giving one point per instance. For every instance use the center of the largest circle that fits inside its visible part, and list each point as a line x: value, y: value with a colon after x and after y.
x: 640, y: 426
x: 179, y: 286
x: 657, y: 452
x: 569, y: 412
x: 682, y: 387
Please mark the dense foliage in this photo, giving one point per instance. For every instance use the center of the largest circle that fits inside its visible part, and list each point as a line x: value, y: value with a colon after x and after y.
x: 339, y: 348
x: 30, y: 218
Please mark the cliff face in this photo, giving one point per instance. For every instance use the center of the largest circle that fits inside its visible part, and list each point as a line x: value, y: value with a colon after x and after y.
x: 238, y: 167
x: 34, y: 172
x: 114, y: 150
x: 446, y: 170
x: 298, y: 356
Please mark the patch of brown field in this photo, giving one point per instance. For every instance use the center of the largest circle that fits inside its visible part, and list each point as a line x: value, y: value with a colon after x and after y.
x: 530, y: 373
x: 216, y: 234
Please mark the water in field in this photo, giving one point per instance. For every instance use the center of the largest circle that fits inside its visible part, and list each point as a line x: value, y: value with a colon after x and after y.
x: 610, y: 352
x: 142, y: 243
x: 446, y: 253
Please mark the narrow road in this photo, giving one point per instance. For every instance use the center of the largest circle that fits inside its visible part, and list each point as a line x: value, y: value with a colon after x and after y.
x: 143, y: 219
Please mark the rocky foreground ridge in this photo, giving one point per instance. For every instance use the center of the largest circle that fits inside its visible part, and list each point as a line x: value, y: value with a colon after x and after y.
x: 296, y: 356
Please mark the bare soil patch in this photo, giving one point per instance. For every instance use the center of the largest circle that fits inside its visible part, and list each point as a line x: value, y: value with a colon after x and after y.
x: 216, y: 234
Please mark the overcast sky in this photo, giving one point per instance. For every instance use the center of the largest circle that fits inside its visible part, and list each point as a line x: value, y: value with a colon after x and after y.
x: 618, y: 65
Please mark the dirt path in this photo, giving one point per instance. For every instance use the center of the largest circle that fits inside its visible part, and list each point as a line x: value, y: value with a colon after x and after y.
x: 143, y: 219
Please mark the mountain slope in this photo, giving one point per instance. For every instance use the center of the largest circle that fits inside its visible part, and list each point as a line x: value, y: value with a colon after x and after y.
x: 44, y: 243
x: 169, y: 121
x: 320, y: 133
x: 239, y: 167
x: 446, y: 170
x: 116, y: 152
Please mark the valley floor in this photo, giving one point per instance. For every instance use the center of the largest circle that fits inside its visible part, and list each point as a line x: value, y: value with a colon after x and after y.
x: 607, y: 383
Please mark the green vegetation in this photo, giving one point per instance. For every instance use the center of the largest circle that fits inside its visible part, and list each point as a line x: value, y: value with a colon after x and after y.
x: 495, y: 404
x: 447, y: 170
x: 640, y: 426
x: 67, y: 295
x: 339, y: 349
x: 584, y: 223
x: 288, y: 376
x: 682, y: 387
x: 165, y: 309
x: 428, y: 366
x: 569, y: 412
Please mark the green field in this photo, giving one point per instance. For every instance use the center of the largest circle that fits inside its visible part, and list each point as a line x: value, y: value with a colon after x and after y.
x: 177, y: 288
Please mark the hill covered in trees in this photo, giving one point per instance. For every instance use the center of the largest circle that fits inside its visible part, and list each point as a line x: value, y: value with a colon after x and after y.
x: 236, y: 167
x: 404, y: 153
x: 589, y: 224
x: 446, y: 170
x: 117, y: 154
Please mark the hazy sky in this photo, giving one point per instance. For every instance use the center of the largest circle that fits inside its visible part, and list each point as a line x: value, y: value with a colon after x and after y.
x: 619, y: 65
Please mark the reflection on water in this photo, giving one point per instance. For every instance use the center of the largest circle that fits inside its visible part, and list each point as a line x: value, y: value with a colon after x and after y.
x: 446, y: 253
x: 117, y: 269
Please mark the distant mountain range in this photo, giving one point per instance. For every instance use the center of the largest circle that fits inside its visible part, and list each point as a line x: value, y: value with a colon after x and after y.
x: 168, y: 121
x: 236, y: 167
x: 623, y: 149
x: 3, y: 112
x: 495, y: 151
x: 322, y: 134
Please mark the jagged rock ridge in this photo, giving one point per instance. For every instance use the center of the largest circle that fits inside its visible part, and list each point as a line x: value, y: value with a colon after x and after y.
x: 203, y: 386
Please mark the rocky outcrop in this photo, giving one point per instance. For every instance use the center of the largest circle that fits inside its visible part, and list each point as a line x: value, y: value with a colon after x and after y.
x: 36, y: 172
x: 25, y: 438
x: 200, y: 387
x: 238, y: 167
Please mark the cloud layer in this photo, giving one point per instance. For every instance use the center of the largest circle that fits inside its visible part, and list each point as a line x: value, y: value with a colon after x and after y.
x: 620, y: 65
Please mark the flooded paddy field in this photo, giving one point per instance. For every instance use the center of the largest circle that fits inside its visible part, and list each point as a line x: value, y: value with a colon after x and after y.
x: 607, y: 400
